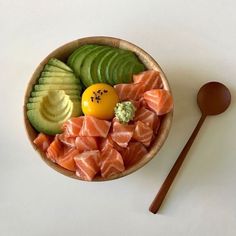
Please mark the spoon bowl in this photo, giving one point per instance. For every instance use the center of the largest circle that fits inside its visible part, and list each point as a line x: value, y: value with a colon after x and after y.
x: 213, y: 98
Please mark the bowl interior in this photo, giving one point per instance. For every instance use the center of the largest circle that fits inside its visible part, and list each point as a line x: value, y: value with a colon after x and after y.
x: 62, y: 53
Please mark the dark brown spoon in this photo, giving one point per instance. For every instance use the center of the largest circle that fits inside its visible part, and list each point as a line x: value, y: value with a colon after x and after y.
x: 213, y: 98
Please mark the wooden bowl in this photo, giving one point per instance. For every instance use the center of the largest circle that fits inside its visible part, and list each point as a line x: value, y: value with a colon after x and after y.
x: 62, y: 53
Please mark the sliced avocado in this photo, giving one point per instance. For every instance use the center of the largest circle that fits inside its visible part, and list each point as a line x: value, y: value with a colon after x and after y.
x: 58, y: 80
x: 114, y: 62
x: 60, y: 64
x: 57, y: 74
x: 109, y: 67
x: 77, y: 110
x: 103, y: 64
x: 52, y: 111
x: 79, y: 59
x: 120, y: 73
x: 117, y: 64
x: 124, y: 72
x: 41, y: 124
x: 38, y: 99
x: 43, y: 93
x: 85, y: 70
x: 43, y: 87
x: 59, y: 112
x: 63, y: 115
x: 94, y: 66
x: 50, y: 68
x: 137, y: 68
x: 72, y: 57
x: 132, y: 69
x: 46, y: 122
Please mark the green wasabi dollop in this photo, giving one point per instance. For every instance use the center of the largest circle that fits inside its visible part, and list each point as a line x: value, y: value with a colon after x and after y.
x: 125, y: 111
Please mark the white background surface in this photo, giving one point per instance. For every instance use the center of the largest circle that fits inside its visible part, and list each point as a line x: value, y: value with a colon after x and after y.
x: 194, y: 42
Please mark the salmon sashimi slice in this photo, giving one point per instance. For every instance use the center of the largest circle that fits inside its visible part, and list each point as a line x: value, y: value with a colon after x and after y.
x: 67, y: 159
x: 73, y: 126
x: 65, y: 139
x: 42, y: 141
x: 150, y: 79
x: 94, y: 127
x: 129, y: 91
x: 55, y: 150
x: 134, y: 153
x: 111, y: 162
x: 148, y: 117
x: 86, y: 143
x: 137, y: 103
x: 142, y: 103
x: 159, y: 100
x: 87, y: 164
x: 122, y: 133
x: 142, y: 133
x: 109, y: 143
x: 106, y: 143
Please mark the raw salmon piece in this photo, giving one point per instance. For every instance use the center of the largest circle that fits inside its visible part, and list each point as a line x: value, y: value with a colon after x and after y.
x: 142, y: 102
x: 111, y: 162
x: 73, y: 126
x: 95, y: 127
x: 142, y: 133
x: 134, y: 153
x: 68, y: 141
x: 42, y: 141
x: 55, y: 150
x: 122, y: 133
x: 150, y: 79
x: 67, y: 159
x: 148, y: 117
x: 137, y: 103
x: 86, y: 143
x: 129, y: 91
x: 106, y: 143
x: 88, y: 164
x: 109, y: 143
x: 159, y: 100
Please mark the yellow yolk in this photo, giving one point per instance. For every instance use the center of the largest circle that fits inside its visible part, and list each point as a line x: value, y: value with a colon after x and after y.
x: 99, y: 100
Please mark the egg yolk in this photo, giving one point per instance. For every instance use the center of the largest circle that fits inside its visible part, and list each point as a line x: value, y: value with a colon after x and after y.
x: 99, y: 100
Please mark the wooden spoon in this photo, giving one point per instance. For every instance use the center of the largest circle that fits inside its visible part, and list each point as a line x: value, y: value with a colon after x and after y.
x: 213, y: 98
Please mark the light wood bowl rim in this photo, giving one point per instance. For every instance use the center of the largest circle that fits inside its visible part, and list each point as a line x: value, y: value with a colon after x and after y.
x: 149, y: 62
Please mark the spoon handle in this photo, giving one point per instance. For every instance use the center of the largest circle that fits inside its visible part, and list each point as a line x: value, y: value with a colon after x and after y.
x: 154, y: 207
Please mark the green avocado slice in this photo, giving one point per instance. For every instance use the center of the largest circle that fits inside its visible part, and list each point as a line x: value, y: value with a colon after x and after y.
x: 123, y: 59
x: 72, y: 57
x: 101, y: 67
x: 79, y: 59
x: 122, y: 54
x: 60, y: 64
x: 57, y: 74
x: 51, y: 68
x: 43, y: 93
x: 137, y: 68
x: 58, y: 80
x: 41, y: 124
x: 39, y: 99
x: 86, y: 76
x: 52, y: 111
x: 95, y: 63
x: 43, y: 87
x: 104, y: 64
